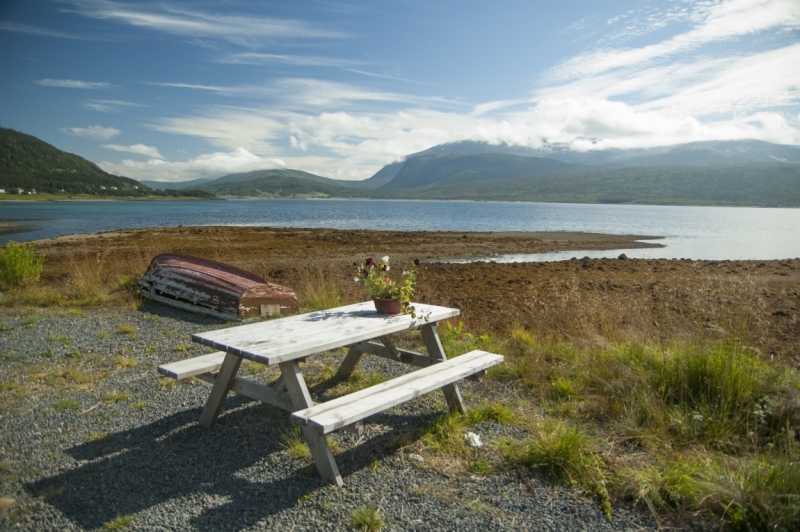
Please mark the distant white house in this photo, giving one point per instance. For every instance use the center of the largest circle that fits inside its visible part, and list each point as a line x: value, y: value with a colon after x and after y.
x: 102, y: 187
x: 113, y: 188
x: 2, y: 191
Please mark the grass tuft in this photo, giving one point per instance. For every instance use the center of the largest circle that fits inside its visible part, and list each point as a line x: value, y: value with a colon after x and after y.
x: 757, y: 494
x: 19, y: 265
x: 294, y: 443
x: 358, y: 380
x: 446, y: 435
x: 121, y: 522
x: 487, y: 411
x: 6, y: 504
x: 560, y: 450
x: 86, y: 279
x: 481, y: 467
x: 66, y: 404
x: 457, y: 340
x: 367, y: 518
x: 125, y: 362
x: 318, y: 289
x: 126, y: 328
x: 116, y: 397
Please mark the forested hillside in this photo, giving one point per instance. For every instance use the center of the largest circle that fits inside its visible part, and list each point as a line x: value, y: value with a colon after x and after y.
x: 32, y: 164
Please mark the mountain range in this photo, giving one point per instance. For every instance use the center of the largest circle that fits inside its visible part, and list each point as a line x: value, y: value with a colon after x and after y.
x: 740, y: 172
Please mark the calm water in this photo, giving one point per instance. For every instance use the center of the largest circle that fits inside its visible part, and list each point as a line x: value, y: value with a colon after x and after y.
x: 689, y: 232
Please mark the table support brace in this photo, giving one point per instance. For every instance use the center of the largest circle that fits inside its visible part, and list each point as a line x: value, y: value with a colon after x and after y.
x: 222, y: 385
x: 349, y: 363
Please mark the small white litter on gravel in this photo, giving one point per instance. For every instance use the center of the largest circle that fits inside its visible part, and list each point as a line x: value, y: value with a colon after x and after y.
x: 473, y: 439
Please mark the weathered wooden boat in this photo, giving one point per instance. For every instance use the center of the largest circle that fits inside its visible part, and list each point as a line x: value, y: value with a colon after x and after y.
x: 221, y: 290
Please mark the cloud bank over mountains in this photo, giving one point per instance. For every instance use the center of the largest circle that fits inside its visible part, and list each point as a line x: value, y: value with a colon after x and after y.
x: 660, y: 73
x: 209, y: 165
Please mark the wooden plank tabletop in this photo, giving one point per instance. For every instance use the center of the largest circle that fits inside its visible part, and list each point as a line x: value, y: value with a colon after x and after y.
x: 275, y: 341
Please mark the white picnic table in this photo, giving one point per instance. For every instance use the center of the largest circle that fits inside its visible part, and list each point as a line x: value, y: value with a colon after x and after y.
x: 287, y: 341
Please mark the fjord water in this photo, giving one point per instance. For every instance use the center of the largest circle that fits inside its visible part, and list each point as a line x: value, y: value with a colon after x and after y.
x: 718, y: 233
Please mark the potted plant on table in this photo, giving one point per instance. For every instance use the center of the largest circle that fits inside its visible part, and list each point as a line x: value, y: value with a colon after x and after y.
x: 391, y: 291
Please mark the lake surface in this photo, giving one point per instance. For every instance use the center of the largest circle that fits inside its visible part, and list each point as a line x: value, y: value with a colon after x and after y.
x: 714, y: 233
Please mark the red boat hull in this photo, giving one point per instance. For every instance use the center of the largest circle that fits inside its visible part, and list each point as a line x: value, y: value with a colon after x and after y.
x: 210, y: 287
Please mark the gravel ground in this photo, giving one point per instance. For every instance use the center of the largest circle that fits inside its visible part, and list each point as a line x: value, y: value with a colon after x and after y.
x: 90, y: 432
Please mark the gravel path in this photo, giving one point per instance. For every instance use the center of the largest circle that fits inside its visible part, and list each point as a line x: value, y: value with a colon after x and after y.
x: 90, y: 432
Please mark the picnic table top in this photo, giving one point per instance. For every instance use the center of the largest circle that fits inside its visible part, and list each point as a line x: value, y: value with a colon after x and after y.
x: 275, y: 341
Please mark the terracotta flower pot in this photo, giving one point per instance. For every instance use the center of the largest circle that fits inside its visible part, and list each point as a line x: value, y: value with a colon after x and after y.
x: 387, y: 306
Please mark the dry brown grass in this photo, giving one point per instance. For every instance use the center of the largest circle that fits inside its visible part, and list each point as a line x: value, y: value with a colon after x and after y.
x: 601, y: 302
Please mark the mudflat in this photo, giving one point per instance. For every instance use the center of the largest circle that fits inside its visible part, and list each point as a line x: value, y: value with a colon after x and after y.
x: 582, y: 300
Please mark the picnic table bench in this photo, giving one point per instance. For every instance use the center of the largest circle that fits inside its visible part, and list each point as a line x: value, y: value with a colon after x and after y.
x: 286, y: 341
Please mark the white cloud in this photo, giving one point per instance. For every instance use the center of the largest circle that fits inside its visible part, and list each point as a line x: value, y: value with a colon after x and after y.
x: 74, y: 84
x: 765, y: 80
x: 35, y: 30
x: 354, y: 145
x: 301, y: 93
x: 211, y: 165
x: 141, y: 149
x: 109, y: 106
x: 219, y: 89
x: 92, y: 132
x: 386, y: 76
x: 579, y: 25
x: 253, y: 58
x: 307, y: 92
x: 703, y: 87
x: 713, y: 22
x: 246, y: 30
x: 228, y: 127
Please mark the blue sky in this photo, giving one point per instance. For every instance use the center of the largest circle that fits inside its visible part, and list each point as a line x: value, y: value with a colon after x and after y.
x: 175, y: 90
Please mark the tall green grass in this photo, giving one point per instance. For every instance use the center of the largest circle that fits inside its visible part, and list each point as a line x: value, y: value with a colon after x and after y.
x: 694, y: 416
x: 19, y: 265
x: 717, y: 395
x: 760, y: 493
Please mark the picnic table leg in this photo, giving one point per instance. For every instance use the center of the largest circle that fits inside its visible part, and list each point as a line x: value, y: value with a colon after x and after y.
x: 222, y: 385
x: 349, y: 363
x: 435, y: 350
x: 323, y: 457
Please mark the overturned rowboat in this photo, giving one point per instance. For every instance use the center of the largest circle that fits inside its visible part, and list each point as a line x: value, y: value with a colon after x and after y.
x: 221, y: 290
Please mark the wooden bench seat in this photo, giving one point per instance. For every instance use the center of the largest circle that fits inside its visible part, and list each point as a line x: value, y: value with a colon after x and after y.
x: 183, y: 369
x: 205, y: 367
x: 349, y: 409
